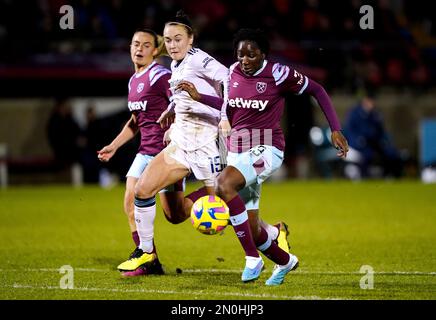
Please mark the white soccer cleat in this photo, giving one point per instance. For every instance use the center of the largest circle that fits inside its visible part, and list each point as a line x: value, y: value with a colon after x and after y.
x: 279, y: 273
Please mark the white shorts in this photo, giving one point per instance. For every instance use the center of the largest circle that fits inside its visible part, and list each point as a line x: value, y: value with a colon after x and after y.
x: 256, y: 165
x: 141, y: 162
x: 205, y: 163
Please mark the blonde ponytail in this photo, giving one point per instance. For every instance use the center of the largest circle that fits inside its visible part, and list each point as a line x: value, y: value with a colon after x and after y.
x: 161, y: 49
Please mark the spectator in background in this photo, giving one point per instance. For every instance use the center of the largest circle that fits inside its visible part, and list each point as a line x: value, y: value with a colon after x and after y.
x: 64, y: 134
x: 91, y: 165
x: 369, y: 141
x: 299, y: 121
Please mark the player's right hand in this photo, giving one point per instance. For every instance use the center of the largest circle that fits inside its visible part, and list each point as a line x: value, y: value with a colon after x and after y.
x: 224, y: 127
x: 106, y: 153
x: 189, y: 88
x: 166, y: 138
x: 340, y: 143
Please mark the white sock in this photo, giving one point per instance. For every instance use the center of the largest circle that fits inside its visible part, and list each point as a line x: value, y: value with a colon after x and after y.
x: 292, y: 259
x: 144, y: 219
x: 273, y: 232
x: 252, y: 262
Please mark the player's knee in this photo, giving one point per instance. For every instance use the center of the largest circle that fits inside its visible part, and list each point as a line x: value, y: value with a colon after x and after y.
x: 224, y: 189
x: 175, y: 214
x: 143, y: 192
x: 174, y: 218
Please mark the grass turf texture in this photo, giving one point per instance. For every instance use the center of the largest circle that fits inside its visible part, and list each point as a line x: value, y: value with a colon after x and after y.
x: 336, y: 227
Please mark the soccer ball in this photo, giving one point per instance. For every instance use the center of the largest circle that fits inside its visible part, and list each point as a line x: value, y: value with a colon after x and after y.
x: 210, y: 215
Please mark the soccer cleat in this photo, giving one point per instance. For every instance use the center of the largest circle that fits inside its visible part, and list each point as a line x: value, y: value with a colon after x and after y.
x: 134, y: 273
x: 279, y: 273
x: 153, y: 267
x: 136, y: 259
x: 252, y: 274
x: 282, y: 238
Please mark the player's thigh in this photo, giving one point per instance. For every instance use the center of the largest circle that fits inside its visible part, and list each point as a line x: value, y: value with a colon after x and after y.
x: 272, y: 159
x: 229, y: 182
x: 239, y: 170
x: 257, y: 164
x: 251, y: 196
x: 206, y: 164
x: 159, y: 174
x: 138, y: 165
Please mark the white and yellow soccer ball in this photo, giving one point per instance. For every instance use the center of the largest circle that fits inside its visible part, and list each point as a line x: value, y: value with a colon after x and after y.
x: 210, y: 215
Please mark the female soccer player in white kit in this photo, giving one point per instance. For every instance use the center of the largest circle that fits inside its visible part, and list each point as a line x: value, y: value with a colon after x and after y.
x: 194, y: 134
x: 149, y: 95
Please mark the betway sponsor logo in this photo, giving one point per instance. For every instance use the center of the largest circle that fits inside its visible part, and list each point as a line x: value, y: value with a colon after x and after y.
x: 137, y: 105
x: 253, y: 104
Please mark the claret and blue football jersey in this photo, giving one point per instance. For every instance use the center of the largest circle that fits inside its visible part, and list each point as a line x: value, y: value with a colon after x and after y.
x: 255, y: 104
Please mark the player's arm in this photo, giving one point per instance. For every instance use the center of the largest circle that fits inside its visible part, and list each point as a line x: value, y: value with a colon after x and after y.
x: 208, y: 67
x: 318, y: 92
x: 220, y: 74
x: 290, y: 80
x: 127, y: 133
x: 167, y: 117
x: 211, y: 101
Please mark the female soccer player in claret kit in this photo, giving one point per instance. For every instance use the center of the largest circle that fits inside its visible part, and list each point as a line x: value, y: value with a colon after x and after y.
x: 255, y: 104
x: 149, y: 95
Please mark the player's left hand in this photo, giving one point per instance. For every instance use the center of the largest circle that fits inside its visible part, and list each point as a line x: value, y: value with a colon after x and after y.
x: 166, y: 118
x: 340, y: 143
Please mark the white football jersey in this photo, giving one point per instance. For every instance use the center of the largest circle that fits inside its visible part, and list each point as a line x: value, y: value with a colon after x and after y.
x: 196, y: 124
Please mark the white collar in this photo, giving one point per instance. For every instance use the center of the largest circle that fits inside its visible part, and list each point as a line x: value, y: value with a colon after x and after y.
x: 261, y: 69
x: 137, y: 75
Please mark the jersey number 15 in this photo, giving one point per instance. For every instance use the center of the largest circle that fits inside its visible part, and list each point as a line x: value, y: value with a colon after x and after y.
x: 215, y: 164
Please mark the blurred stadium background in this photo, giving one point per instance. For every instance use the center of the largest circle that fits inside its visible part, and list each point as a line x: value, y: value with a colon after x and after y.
x: 43, y: 67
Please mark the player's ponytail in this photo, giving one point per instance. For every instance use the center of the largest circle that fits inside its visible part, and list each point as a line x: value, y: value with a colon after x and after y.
x: 161, y: 49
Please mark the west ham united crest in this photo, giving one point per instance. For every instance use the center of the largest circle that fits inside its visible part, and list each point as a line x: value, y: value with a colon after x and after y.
x: 261, y: 87
x: 140, y: 87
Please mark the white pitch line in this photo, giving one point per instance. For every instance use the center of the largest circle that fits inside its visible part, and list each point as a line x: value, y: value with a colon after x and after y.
x: 194, y: 293
x: 230, y: 271
x: 317, y: 272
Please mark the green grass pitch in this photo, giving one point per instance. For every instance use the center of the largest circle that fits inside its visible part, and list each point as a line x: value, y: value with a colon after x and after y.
x: 336, y: 228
